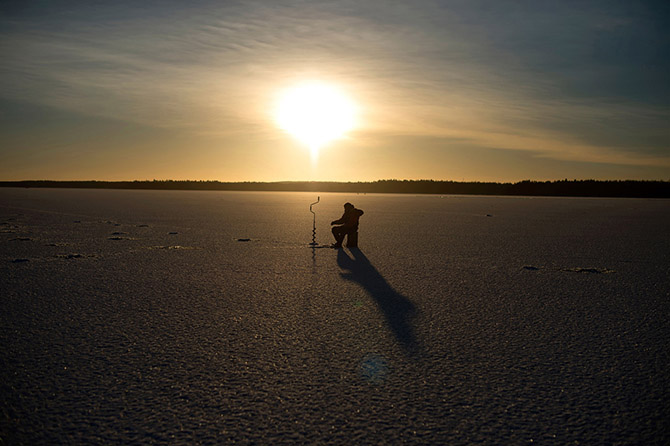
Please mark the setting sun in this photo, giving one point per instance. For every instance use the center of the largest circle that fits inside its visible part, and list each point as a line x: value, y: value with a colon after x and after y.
x: 315, y: 114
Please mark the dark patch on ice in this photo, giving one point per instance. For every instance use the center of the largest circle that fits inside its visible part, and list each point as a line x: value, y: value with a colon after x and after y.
x: 77, y: 221
x: 20, y: 260
x: 173, y: 233
x: 21, y: 239
x: 56, y: 244
x: 120, y: 238
x: 70, y: 256
x: 571, y: 270
x: 489, y: 215
x: 589, y: 270
x: 243, y: 239
x: 172, y: 247
x: 142, y: 226
x: 119, y: 233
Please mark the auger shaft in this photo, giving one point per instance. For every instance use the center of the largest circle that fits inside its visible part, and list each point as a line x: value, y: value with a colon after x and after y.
x: 314, y: 221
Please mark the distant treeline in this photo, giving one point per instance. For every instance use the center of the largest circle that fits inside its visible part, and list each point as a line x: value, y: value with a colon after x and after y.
x: 568, y: 188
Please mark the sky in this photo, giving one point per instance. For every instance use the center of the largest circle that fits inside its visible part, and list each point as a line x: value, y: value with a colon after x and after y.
x: 447, y: 90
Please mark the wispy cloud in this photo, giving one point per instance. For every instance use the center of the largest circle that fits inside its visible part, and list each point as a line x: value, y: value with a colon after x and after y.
x: 542, y: 78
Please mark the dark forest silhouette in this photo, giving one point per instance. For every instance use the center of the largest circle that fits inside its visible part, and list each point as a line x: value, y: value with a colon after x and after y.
x: 571, y: 188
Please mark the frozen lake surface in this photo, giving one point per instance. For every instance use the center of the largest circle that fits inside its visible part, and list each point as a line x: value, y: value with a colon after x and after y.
x: 138, y: 317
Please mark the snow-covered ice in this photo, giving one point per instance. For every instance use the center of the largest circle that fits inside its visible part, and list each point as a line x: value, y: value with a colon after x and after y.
x: 205, y: 317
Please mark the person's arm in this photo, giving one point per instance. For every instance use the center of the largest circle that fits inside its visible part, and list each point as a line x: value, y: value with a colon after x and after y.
x: 340, y: 221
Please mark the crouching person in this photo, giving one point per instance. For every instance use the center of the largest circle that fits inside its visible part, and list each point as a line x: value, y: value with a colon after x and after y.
x: 348, y: 227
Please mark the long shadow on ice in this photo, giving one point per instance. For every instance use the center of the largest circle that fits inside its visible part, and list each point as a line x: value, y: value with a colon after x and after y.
x: 396, y: 308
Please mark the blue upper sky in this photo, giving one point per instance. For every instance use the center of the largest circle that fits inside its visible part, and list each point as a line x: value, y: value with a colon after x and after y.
x: 474, y: 90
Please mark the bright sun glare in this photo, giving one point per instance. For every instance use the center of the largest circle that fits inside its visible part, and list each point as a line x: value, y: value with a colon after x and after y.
x: 315, y: 114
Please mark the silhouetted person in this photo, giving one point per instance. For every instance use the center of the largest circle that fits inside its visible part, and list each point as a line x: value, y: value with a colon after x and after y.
x: 349, y: 226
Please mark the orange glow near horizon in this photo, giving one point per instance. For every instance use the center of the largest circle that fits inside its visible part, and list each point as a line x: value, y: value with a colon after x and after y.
x: 315, y: 114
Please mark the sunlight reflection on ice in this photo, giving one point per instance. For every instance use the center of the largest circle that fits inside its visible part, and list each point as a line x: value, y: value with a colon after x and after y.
x: 374, y: 369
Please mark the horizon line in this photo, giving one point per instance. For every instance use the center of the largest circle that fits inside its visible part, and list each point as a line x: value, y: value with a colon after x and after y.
x: 167, y: 180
